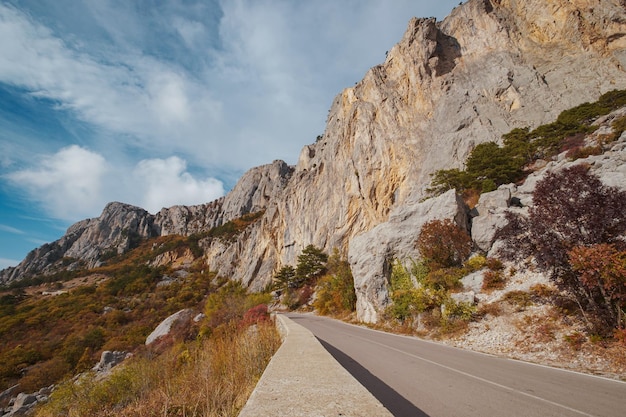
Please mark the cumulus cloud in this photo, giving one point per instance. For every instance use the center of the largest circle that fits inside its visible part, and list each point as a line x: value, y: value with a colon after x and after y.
x: 69, y: 183
x: 165, y: 182
x: 75, y: 183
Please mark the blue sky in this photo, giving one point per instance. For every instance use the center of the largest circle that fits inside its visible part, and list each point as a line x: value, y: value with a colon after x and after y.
x: 158, y: 103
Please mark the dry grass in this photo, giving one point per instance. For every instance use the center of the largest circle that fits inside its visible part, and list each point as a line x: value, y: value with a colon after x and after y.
x: 209, y: 378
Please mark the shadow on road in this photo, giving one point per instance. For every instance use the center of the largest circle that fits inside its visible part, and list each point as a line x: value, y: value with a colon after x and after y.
x: 394, y: 402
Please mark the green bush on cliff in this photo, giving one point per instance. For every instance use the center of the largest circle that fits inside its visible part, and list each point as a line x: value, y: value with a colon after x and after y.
x: 490, y: 165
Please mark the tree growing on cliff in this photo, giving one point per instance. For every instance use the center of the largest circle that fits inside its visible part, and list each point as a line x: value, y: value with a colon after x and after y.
x: 311, y: 264
x: 285, y: 277
x: 335, y: 290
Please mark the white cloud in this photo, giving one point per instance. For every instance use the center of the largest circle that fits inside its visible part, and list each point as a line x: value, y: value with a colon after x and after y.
x: 76, y: 183
x: 165, y: 182
x: 5, y: 263
x: 259, y: 95
x: 69, y: 183
x: 148, y: 101
x: 9, y: 229
x: 249, y: 84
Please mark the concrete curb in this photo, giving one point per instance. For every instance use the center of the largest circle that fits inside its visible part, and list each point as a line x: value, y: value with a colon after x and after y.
x: 304, y: 380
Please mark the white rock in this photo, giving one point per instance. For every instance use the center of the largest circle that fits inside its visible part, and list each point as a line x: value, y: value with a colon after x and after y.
x: 164, y: 328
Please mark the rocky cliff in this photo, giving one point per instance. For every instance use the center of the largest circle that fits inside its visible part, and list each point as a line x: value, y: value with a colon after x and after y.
x: 490, y: 66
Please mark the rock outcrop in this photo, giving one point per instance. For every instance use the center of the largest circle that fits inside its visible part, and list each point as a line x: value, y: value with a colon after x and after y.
x: 176, y: 320
x: 491, y: 66
x: 372, y: 253
x: 108, y: 360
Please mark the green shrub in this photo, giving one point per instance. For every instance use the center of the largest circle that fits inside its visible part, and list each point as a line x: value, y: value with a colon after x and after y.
x: 489, y: 165
x: 458, y: 310
x: 407, y: 300
x: 335, y: 290
x: 475, y: 263
x: 445, y: 279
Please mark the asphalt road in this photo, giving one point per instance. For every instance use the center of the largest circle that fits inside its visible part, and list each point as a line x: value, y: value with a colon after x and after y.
x: 417, y: 378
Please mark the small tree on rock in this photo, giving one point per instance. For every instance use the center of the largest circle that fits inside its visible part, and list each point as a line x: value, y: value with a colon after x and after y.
x: 311, y: 264
x: 285, y: 277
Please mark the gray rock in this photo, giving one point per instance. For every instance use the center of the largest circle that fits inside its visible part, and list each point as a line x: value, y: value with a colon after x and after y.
x: 485, y: 226
x: 473, y: 282
x: 372, y: 253
x: 108, y: 360
x: 6, y: 394
x: 489, y: 216
x: 163, y: 329
x: 493, y: 200
x: 22, y: 404
x: 468, y: 297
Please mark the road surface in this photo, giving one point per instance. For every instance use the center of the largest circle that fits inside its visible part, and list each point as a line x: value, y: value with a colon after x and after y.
x: 417, y: 378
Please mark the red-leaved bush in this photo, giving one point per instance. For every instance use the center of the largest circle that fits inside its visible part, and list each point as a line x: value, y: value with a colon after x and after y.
x: 255, y: 315
x: 572, y: 208
x: 443, y: 244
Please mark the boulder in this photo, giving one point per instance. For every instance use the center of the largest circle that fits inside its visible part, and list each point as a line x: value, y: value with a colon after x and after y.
x: 489, y: 216
x: 110, y: 359
x: 468, y: 297
x: 180, y: 318
x: 473, y: 282
x: 23, y: 403
x: 372, y: 253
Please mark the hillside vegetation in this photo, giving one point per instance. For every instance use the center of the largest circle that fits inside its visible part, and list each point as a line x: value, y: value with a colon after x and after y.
x: 561, y: 266
x: 47, y: 339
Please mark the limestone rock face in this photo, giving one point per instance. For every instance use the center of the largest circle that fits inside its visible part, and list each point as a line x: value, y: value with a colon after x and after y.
x: 115, y: 229
x: 371, y: 254
x: 254, y: 191
x: 491, y: 66
x: 187, y: 220
x: 118, y: 228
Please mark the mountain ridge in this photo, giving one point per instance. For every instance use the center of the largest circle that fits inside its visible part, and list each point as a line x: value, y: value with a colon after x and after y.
x: 491, y: 66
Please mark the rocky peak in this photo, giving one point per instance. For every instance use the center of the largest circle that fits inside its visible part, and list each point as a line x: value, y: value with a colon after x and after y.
x: 489, y: 67
x: 256, y: 188
x: 121, y: 226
